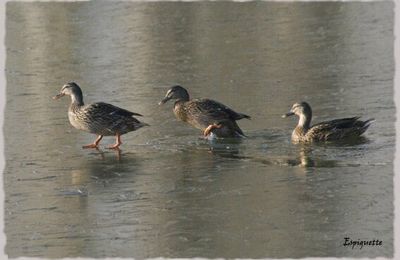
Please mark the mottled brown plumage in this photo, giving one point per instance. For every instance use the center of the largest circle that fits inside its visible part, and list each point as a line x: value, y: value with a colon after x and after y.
x: 325, y: 131
x: 205, y: 114
x: 99, y: 118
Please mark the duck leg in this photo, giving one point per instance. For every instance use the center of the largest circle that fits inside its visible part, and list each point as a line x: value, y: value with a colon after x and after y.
x: 95, y: 144
x: 118, y: 142
x: 209, y: 128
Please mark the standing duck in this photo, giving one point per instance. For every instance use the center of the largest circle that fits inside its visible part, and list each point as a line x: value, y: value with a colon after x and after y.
x: 205, y: 114
x: 325, y: 131
x: 98, y: 118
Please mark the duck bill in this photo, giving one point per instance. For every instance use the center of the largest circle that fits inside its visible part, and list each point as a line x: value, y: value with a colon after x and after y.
x: 288, y: 114
x: 58, y: 96
x: 163, y: 101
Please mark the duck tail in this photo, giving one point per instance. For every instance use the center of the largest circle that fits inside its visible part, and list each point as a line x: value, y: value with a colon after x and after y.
x: 245, y: 116
x: 242, y: 135
x: 239, y: 131
x: 143, y: 124
x: 136, y: 114
x: 136, y: 124
x: 366, y: 124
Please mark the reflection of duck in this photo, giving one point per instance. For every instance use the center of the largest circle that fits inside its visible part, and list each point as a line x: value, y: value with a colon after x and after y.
x: 306, y: 159
x: 208, y: 115
x: 227, y: 148
x: 103, y: 157
x: 99, y: 118
x: 325, y: 131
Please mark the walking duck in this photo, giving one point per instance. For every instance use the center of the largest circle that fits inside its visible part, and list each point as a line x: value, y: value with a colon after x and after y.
x: 325, y: 131
x: 205, y: 114
x: 98, y: 118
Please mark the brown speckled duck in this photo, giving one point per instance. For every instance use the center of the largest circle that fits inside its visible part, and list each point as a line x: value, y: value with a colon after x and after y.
x: 325, y: 131
x: 99, y: 118
x: 205, y: 114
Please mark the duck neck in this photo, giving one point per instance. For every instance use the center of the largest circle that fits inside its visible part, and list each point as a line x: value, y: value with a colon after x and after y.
x: 76, y: 100
x: 181, y: 100
x: 184, y: 98
x: 179, y: 110
x: 304, y: 122
x: 178, y: 103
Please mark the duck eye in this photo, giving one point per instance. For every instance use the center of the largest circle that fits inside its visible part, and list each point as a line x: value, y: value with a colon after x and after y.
x: 65, y: 87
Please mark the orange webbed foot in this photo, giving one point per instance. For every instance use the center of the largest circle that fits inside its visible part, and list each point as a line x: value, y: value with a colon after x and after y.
x: 90, y: 146
x: 209, y: 128
x: 118, y: 142
x: 95, y: 144
x: 115, y: 146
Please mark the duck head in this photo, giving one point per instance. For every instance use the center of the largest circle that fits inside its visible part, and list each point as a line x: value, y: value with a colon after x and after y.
x: 71, y: 89
x: 175, y: 92
x: 299, y: 109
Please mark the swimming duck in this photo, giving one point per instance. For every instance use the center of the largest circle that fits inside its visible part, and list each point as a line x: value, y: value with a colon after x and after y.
x: 325, y: 131
x: 205, y: 114
x: 98, y: 118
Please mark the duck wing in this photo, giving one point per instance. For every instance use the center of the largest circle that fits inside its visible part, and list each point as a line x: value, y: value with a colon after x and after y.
x: 106, y: 116
x: 212, y: 111
x: 338, y: 128
x: 106, y: 108
x: 342, y: 122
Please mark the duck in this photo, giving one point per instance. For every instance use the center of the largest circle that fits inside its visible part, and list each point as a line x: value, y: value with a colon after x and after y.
x: 212, y: 117
x: 333, y: 130
x: 98, y: 118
